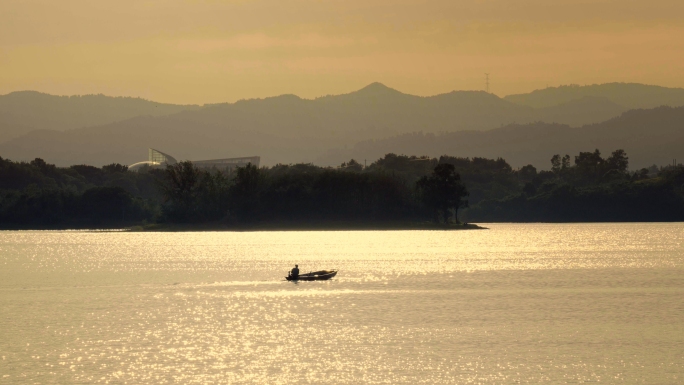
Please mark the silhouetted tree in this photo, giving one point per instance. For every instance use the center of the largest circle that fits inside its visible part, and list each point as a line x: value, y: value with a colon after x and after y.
x: 527, y: 173
x: 352, y: 165
x: 181, y: 189
x: 245, y: 192
x: 114, y: 167
x: 618, y: 161
x: 194, y: 195
x: 556, y: 163
x: 443, y: 191
x: 565, y: 162
x: 589, y: 163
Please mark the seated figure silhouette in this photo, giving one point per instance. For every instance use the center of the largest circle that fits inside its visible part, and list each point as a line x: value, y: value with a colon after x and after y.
x: 295, y: 272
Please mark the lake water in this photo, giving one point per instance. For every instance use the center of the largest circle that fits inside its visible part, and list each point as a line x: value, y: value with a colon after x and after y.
x: 518, y: 303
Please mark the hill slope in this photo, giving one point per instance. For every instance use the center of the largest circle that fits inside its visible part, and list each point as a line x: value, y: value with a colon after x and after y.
x: 627, y: 95
x: 21, y: 112
x: 653, y: 136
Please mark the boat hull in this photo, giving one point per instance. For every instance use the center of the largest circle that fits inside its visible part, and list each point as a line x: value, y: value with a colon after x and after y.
x: 315, y: 276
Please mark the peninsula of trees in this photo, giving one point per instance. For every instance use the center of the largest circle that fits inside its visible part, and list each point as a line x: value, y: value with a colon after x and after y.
x: 396, y: 191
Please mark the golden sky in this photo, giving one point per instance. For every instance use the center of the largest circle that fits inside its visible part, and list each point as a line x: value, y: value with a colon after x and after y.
x: 209, y: 51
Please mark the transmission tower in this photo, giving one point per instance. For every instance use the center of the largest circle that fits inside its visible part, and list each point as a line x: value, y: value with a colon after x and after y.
x: 487, y: 82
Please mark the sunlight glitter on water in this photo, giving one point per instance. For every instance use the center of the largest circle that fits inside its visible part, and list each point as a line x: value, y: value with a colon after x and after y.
x: 514, y: 304
x: 264, y: 255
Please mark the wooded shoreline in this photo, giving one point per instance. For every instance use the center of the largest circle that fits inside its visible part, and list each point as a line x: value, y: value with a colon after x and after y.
x: 396, y: 192
x: 301, y: 226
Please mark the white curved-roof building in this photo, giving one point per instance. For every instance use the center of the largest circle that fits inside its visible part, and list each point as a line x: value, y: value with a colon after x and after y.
x: 140, y: 165
x: 157, y: 158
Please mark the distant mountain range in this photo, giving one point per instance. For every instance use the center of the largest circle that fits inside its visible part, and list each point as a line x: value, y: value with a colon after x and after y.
x: 21, y: 112
x: 328, y: 130
x: 651, y: 136
x: 627, y: 95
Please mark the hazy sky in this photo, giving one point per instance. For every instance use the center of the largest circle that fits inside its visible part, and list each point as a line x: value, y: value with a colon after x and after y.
x: 206, y: 51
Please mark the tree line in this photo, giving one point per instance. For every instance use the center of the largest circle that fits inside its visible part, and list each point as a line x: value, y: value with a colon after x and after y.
x: 306, y: 193
x: 40, y: 195
x: 395, y: 188
x: 593, y: 188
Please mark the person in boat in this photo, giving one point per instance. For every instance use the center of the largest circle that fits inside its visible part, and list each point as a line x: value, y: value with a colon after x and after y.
x: 295, y: 272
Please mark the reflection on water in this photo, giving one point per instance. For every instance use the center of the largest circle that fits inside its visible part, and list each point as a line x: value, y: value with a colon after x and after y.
x: 514, y: 304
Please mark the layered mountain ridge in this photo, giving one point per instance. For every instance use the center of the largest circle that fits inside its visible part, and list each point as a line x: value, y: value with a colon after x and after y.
x: 24, y: 111
x: 649, y: 136
x: 325, y: 130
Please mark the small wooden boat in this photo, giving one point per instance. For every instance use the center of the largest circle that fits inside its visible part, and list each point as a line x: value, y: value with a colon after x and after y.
x: 315, y: 276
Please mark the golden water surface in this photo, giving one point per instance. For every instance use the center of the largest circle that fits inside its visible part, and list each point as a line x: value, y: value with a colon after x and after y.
x: 518, y: 303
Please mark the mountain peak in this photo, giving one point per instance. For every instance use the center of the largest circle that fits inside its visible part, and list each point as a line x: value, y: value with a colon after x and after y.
x: 377, y: 89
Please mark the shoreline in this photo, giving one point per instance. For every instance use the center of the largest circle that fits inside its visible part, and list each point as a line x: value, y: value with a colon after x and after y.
x: 289, y: 226
x: 268, y: 226
x: 286, y: 226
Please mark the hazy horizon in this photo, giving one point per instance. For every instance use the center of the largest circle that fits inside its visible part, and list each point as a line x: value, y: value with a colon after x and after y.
x: 200, y: 52
x: 560, y: 86
x: 274, y: 95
